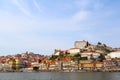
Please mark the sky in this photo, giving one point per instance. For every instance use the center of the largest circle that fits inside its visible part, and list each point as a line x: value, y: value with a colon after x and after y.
x: 40, y: 26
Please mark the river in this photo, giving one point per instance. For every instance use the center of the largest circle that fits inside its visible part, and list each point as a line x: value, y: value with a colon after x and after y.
x: 61, y: 76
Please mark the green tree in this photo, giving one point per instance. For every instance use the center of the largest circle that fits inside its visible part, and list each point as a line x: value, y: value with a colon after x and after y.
x: 99, y: 43
x: 104, y: 45
x: 53, y: 57
x: 66, y: 53
x: 101, y: 57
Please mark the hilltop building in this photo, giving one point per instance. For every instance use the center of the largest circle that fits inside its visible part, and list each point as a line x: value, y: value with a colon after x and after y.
x: 81, y: 44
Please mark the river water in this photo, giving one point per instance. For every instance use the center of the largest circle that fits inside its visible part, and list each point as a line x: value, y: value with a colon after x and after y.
x: 61, y: 76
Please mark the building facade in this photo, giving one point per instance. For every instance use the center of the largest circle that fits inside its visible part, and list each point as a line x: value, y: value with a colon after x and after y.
x: 81, y: 44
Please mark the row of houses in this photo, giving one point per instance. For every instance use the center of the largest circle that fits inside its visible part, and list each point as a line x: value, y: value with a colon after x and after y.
x: 67, y: 64
x: 19, y: 61
x: 85, y: 49
x: 90, y: 59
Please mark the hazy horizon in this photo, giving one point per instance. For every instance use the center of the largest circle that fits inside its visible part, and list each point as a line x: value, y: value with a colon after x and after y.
x: 41, y: 26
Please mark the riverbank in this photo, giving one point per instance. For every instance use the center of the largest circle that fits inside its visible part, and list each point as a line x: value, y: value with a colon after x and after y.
x: 107, y: 70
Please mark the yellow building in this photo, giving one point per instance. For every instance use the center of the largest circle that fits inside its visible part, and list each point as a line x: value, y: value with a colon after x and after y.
x: 88, y: 65
x: 12, y: 64
x: 17, y: 64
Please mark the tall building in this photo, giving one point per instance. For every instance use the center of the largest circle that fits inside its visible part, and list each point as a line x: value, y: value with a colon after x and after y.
x: 81, y: 44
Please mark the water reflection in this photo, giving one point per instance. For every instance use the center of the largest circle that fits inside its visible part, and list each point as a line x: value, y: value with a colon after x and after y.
x: 60, y: 76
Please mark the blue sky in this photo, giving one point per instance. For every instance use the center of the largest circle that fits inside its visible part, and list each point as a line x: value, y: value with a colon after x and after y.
x: 41, y: 26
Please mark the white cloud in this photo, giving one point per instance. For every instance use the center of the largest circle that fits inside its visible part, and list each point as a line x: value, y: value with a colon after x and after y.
x: 11, y: 24
x: 81, y: 15
x: 22, y: 6
x: 37, y: 5
x: 82, y: 4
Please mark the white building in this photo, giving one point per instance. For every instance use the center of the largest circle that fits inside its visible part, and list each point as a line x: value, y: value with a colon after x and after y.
x: 114, y: 55
x: 88, y: 55
x: 57, y: 53
x: 73, y: 51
